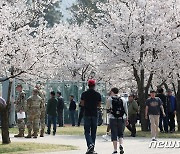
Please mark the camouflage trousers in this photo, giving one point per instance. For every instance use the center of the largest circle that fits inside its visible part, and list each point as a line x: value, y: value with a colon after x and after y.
x: 42, y: 119
x: 21, y: 124
x: 33, y: 122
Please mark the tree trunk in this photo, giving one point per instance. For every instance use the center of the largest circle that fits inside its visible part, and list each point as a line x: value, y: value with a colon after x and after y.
x: 142, y: 95
x: 141, y: 100
x: 178, y: 105
x: 5, y: 119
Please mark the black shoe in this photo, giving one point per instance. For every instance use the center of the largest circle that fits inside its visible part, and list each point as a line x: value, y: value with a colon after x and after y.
x: 47, y: 133
x: 54, y: 133
x: 121, y: 149
x: 133, y: 135
x: 90, y: 149
x: 154, y: 139
x: 114, y: 152
x: 91, y: 152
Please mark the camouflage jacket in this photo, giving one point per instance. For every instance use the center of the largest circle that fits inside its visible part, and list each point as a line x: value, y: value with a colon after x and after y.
x: 34, y: 104
x: 21, y: 101
x: 41, y: 93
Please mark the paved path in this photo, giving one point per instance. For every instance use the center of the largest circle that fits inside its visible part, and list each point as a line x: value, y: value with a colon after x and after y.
x: 131, y: 145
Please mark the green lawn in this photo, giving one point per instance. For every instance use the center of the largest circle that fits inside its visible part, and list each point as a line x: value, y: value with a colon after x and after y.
x: 68, y: 130
x: 21, y: 148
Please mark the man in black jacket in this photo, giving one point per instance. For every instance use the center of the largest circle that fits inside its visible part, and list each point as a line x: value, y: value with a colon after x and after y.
x: 72, y: 109
x: 52, y: 113
x: 163, y: 120
x: 60, y: 109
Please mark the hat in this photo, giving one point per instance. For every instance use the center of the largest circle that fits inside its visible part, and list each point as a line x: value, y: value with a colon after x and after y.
x: 91, y: 82
x: 169, y: 90
x: 152, y: 91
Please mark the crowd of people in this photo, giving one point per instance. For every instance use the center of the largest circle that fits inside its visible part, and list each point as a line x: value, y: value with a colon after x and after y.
x: 160, y: 111
x: 38, y: 112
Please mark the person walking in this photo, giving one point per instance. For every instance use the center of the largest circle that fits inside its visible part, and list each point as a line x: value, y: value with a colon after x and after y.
x: 52, y: 113
x: 72, y: 109
x: 91, y: 100
x: 117, y: 109
x: 81, y: 114
x: 163, y: 121
x: 60, y: 109
x: 171, y: 110
x: 132, y: 114
x: 41, y: 93
x: 35, y: 105
x: 20, y: 109
x: 153, y: 106
x: 107, y: 136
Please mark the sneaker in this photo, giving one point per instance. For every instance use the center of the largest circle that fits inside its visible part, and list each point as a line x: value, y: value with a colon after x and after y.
x: 47, y: 133
x: 154, y: 139
x: 106, y: 137
x: 54, y: 133
x: 121, y: 149
x: 114, y: 152
x: 90, y: 149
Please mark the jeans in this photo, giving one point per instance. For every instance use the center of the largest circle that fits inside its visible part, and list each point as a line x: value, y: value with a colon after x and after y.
x: 163, y: 123
x: 53, y: 120
x: 171, y: 121
x: 72, y: 115
x: 81, y: 114
x: 90, y: 128
x: 60, y: 118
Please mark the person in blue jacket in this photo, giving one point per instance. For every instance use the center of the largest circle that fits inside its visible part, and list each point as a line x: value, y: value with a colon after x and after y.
x: 171, y: 110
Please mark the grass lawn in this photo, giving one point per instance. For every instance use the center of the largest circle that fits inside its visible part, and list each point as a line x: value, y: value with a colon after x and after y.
x: 68, y: 130
x: 24, y: 148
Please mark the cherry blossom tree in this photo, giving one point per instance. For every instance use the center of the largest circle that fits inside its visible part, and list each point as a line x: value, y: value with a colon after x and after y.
x: 74, y: 57
x: 23, y: 46
x: 137, y: 33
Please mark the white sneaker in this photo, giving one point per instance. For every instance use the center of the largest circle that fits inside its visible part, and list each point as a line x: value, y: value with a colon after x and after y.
x: 106, y: 137
x: 153, y: 139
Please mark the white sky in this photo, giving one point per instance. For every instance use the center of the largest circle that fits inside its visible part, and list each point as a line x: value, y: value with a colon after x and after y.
x: 66, y: 4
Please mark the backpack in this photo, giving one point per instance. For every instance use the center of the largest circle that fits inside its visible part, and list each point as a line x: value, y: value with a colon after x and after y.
x: 117, y: 109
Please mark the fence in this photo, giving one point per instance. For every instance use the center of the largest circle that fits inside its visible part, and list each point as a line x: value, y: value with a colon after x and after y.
x: 67, y: 88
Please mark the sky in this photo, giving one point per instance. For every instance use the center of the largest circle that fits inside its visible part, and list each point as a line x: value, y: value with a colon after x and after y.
x: 66, y: 4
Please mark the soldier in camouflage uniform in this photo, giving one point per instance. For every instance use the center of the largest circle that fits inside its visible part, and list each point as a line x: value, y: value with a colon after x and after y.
x: 20, y: 107
x: 41, y: 93
x: 34, y: 107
